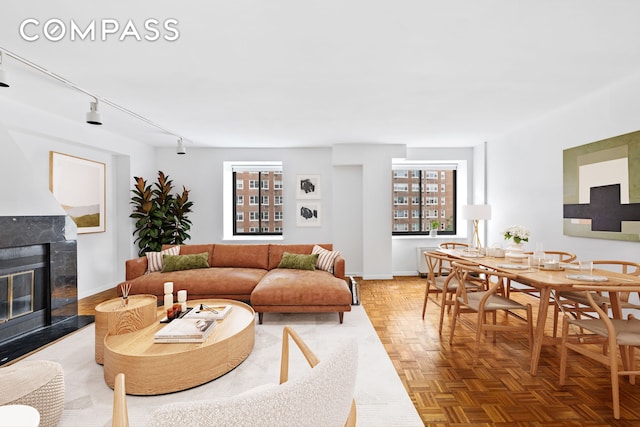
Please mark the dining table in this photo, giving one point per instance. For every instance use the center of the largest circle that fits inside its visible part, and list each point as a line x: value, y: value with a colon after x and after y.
x: 548, y: 281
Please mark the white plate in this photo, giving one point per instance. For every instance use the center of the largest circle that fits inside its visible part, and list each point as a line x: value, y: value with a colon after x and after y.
x: 468, y: 255
x: 514, y: 266
x: 587, y: 277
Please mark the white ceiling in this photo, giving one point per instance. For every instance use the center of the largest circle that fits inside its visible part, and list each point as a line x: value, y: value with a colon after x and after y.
x: 297, y: 73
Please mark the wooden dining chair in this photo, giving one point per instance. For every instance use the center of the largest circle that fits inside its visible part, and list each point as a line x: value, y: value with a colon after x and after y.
x: 576, y: 303
x: 489, y: 301
x: 453, y: 245
x: 613, y: 333
x: 441, y: 281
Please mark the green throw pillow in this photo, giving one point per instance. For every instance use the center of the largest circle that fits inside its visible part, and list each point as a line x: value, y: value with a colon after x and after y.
x: 298, y: 261
x: 185, y: 262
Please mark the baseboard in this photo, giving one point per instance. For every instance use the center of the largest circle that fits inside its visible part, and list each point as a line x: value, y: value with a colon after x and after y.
x: 380, y: 277
x: 406, y: 273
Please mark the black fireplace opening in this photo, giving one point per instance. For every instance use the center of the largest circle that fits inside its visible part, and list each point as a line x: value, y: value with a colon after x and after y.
x: 25, y: 303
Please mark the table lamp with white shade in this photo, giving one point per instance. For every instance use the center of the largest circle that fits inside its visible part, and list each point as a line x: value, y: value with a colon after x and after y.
x: 476, y: 213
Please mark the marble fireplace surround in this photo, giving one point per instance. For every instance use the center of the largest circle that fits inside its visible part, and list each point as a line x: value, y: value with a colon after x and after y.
x: 58, y: 234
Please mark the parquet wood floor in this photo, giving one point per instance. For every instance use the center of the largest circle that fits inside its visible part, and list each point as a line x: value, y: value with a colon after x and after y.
x: 449, y: 387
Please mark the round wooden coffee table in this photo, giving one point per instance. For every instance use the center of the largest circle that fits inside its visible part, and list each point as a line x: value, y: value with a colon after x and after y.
x: 115, y: 318
x: 152, y: 368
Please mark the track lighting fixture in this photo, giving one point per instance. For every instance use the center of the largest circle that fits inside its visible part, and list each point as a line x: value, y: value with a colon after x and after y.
x: 93, y: 116
x: 4, y: 81
x: 181, y: 149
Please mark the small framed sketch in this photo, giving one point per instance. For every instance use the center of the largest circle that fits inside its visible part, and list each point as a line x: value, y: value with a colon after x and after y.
x: 308, y: 213
x: 79, y: 186
x: 308, y: 187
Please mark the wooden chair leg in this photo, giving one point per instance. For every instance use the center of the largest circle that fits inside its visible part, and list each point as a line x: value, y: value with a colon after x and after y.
x: 615, y: 385
x: 456, y: 308
x: 442, y: 306
x: 564, y: 351
x: 426, y: 299
x: 341, y: 316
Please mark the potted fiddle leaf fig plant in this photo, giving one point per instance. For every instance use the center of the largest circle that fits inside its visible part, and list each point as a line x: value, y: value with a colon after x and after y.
x: 161, y: 217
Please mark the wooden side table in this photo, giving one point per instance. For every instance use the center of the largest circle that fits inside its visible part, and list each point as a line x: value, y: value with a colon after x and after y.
x: 114, y: 318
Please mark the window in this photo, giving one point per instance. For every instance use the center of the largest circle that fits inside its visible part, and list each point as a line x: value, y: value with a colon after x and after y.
x: 401, y: 214
x: 400, y: 200
x: 431, y: 195
x: 260, y: 183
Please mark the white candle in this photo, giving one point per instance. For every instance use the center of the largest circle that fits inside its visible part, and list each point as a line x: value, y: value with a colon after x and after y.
x: 168, y: 301
x: 182, y: 295
x: 168, y: 287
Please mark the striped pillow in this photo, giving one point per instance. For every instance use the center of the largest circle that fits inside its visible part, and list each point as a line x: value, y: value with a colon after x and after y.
x: 154, y: 259
x: 326, y: 258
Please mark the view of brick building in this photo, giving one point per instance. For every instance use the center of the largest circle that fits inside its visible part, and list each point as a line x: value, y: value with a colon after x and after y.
x: 422, y: 196
x: 258, y: 207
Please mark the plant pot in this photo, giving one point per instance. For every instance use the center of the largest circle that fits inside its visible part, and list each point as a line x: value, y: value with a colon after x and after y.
x: 433, y: 233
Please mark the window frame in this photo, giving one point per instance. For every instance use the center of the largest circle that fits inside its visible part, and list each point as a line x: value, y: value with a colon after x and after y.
x: 428, y: 172
x: 234, y: 230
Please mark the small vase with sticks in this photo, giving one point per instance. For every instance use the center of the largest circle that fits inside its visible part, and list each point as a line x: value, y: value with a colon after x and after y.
x: 125, y: 288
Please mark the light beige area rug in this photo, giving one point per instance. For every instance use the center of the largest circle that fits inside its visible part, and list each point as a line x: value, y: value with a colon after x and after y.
x: 380, y: 396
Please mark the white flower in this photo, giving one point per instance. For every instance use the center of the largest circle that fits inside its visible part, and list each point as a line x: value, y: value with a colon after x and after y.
x: 517, y: 232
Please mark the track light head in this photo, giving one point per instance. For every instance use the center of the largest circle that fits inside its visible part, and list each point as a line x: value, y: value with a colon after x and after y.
x: 4, y: 80
x: 181, y: 149
x: 93, y: 116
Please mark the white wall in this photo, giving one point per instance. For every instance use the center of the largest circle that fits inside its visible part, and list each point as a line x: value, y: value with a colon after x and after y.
x: 24, y: 147
x: 525, y: 169
x: 201, y: 171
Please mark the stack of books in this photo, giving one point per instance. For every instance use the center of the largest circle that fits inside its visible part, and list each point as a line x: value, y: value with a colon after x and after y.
x: 185, y: 330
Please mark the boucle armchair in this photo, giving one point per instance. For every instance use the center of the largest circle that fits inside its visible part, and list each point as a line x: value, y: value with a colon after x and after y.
x: 38, y: 383
x: 321, y: 397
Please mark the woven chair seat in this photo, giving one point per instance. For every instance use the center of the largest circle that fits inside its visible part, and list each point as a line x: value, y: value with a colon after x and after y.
x: 493, y: 303
x: 627, y: 331
x: 581, y: 298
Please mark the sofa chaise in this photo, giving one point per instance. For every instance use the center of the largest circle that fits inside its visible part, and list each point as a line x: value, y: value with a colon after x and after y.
x: 254, y: 273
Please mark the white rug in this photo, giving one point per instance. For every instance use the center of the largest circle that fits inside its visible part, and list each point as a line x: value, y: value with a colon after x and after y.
x: 380, y: 396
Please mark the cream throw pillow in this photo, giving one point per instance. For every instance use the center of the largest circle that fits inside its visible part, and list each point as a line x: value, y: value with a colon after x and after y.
x: 154, y: 259
x: 326, y: 258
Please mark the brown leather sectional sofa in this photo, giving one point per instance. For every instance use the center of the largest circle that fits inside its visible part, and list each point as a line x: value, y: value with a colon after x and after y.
x: 250, y: 273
